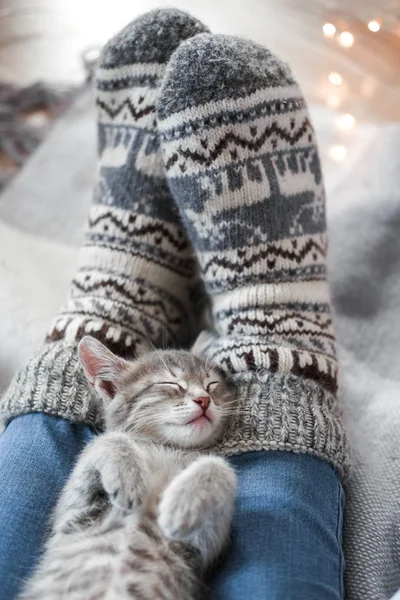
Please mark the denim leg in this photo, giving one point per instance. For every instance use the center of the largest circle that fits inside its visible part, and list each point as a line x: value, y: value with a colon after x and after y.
x: 287, y: 531
x: 37, y: 453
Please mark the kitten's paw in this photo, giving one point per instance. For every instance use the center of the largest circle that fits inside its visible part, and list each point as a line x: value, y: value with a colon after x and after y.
x: 195, y: 495
x: 178, y: 517
x: 124, y: 486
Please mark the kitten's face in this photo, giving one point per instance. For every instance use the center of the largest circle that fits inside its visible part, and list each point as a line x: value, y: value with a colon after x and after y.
x: 172, y: 397
x: 167, y: 396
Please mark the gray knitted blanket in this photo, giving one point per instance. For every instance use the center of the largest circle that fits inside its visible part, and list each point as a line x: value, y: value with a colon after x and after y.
x: 365, y: 276
x: 42, y: 214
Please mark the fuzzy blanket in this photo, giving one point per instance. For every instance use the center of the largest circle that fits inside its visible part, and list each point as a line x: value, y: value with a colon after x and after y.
x: 42, y: 214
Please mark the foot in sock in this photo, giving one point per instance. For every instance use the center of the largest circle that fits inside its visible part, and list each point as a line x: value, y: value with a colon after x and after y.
x: 243, y: 166
x: 136, y: 269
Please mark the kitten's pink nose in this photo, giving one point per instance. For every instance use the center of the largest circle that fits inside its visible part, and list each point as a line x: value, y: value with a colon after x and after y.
x: 204, y: 402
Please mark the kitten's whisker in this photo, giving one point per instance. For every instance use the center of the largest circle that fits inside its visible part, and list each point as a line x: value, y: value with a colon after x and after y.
x: 153, y: 347
x: 228, y: 404
x: 209, y: 358
x: 164, y: 339
x: 238, y: 411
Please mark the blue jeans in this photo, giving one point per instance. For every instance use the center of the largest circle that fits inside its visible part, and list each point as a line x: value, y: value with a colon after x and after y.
x: 287, y: 531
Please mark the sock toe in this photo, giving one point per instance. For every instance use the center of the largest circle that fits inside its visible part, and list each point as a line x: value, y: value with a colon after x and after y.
x: 225, y: 65
x: 151, y: 38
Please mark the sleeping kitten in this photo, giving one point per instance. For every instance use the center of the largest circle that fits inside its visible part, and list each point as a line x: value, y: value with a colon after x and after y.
x: 144, y: 512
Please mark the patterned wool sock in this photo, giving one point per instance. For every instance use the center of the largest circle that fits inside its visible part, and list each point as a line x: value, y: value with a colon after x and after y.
x: 136, y: 268
x: 243, y: 167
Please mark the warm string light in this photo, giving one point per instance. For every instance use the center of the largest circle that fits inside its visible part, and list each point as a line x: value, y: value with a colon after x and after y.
x: 329, y: 30
x: 335, y: 78
x: 346, y: 122
x: 346, y: 39
x: 374, y: 25
x: 338, y: 153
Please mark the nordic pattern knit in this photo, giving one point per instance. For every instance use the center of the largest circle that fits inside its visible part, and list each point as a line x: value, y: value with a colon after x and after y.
x: 243, y: 166
x: 136, y: 269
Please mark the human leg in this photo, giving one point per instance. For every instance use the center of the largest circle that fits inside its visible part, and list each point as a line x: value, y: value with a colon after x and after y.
x: 135, y: 280
x: 243, y: 166
x: 37, y: 454
x: 287, y: 534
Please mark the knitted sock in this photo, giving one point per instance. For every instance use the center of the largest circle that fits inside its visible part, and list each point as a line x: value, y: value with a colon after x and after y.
x: 243, y: 167
x: 136, y: 268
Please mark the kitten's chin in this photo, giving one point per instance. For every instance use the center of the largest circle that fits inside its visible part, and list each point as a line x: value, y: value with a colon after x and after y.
x: 198, y: 433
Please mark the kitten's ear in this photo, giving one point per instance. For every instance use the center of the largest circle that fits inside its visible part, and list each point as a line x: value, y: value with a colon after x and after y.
x: 144, y: 347
x: 102, y: 368
x: 202, y: 343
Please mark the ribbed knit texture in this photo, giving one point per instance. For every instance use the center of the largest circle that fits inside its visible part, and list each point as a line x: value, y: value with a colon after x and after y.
x: 243, y: 167
x: 136, y: 269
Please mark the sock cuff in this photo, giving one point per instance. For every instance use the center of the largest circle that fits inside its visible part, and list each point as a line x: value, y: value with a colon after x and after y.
x: 275, y: 411
x: 286, y: 412
x: 52, y: 382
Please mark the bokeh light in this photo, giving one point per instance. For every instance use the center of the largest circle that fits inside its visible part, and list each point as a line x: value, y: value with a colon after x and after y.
x: 335, y: 78
x: 338, y: 153
x: 374, y: 25
x: 346, y: 39
x: 346, y: 122
x: 329, y: 30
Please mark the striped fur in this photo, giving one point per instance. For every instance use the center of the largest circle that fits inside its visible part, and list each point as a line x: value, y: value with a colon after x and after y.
x: 145, y: 511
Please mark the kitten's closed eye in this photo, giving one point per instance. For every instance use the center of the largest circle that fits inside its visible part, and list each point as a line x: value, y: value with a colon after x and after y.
x: 212, y: 386
x: 170, y: 383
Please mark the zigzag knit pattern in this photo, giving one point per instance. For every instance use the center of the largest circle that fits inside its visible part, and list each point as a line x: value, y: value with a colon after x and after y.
x: 136, y: 269
x: 243, y: 167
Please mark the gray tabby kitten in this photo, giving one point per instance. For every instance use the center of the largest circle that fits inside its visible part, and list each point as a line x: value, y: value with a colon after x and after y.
x: 144, y: 512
